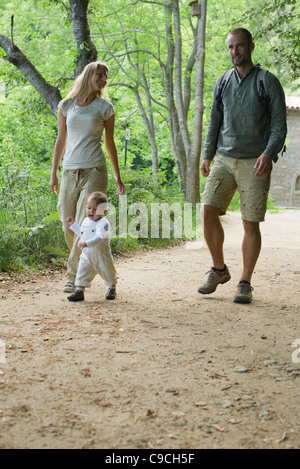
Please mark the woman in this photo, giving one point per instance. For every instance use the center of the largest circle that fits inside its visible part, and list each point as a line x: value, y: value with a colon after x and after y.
x: 82, y: 117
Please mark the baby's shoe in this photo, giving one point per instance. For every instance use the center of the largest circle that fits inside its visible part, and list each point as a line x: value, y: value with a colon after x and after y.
x: 78, y: 295
x: 111, y: 294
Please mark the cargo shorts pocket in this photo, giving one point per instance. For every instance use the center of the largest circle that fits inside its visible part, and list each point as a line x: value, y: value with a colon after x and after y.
x: 219, y: 192
x: 211, y: 187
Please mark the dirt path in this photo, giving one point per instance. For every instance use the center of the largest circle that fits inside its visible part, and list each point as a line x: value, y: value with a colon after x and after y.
x: 162, y: 366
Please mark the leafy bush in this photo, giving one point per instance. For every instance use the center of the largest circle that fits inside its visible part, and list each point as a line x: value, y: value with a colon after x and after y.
x: 31, y: 232
x: 29, y: 222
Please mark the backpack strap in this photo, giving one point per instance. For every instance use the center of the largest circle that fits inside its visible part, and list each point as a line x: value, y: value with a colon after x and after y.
x: 261, y: 84
x: 222, y: 86
x: 263, y: 91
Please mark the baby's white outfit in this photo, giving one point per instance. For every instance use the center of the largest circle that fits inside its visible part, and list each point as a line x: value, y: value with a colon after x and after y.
x: 96, y: 258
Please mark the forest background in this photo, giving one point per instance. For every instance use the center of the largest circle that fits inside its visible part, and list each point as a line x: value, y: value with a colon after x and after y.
x: 163, y: 66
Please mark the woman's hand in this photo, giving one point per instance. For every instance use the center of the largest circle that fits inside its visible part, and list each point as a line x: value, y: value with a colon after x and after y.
x: 121, y: 186
x: 59, y: 148
x: 54, y: 184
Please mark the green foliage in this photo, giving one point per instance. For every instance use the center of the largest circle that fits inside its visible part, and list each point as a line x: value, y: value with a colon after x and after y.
x: 25, y: 206
x: 278, y: 23
x: 30, y: 231
x: 144, y: 188
x: 26, y: 131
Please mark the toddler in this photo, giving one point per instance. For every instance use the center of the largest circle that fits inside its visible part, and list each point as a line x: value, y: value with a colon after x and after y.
x: 94, y: 242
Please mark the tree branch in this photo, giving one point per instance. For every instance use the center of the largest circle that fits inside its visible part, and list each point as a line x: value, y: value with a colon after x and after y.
x: 16, y: 57
x: 12, y: 29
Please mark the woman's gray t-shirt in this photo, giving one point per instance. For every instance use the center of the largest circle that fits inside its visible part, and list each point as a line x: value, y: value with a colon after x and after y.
x: 84, y: 132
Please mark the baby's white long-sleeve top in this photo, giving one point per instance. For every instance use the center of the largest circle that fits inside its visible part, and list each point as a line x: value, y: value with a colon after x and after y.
x: 92, y: 232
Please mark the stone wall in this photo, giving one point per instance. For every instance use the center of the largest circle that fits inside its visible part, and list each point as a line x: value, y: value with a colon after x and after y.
x: 285, y: 183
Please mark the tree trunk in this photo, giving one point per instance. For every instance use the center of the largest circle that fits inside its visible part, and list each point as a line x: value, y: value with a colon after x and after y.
x: 193, y: 173
x: 186, y: 150
x: 182, y: 117
x: 149, y: 129
x: 177, y: 145
x: 86, y: 51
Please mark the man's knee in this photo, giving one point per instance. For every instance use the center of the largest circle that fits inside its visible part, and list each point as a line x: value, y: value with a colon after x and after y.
x: 209, y: 213
x: 251, y: 226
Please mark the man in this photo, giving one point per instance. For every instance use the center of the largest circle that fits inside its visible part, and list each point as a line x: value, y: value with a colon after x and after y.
x: 245, y: 134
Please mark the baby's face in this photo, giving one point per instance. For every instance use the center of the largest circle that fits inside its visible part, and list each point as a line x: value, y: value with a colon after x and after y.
x: 92, y: 211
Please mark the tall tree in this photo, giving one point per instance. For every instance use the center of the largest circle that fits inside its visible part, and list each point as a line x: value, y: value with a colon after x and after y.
x: 167, y: 56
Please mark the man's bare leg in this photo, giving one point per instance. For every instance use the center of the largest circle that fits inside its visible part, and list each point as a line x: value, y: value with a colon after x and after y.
x: 250, y: 248
x: 213, y: 234
x: 214, y: 237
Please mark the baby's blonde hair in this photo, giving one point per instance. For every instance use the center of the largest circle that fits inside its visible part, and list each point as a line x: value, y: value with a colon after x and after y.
x: 98, y: 197
x: 100, y: 200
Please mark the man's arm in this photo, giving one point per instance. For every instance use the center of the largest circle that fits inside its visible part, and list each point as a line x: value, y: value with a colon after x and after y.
x: 278, y: 126
x: 215, y: 122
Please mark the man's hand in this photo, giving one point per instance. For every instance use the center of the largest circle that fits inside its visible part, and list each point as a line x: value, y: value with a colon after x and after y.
x: 263, y: 164
x: 205, y: 168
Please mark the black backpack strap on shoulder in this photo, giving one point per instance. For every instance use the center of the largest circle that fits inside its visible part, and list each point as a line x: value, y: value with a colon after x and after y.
x: 261, y: 84
x: 263, y: 92
x: 222, y: 86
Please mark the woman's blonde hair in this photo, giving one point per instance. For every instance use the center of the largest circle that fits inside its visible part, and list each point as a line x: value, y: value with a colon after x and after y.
x: 82, y: 84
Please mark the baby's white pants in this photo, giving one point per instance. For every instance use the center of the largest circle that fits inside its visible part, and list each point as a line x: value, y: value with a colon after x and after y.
x: 96, y: 260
